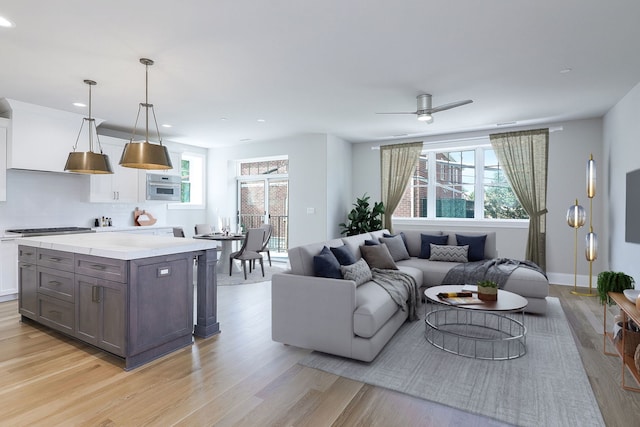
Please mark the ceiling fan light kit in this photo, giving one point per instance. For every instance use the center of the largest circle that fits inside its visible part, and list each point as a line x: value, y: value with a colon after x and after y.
x: 425, y: 110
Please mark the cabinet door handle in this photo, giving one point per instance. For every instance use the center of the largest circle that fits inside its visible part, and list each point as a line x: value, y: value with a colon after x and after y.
x: 26, y: 266
x: 55, y: 259
x: 95, y: 293
x: 54, y: 283
x: 99, y: 267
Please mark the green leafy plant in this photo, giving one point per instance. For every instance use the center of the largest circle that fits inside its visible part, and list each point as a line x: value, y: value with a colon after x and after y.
x: 487, y: 284
x: 363, y: 218
x: 612, y: 281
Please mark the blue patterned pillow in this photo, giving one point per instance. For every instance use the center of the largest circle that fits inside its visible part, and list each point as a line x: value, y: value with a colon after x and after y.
x: 359, y: 272
x: 476, y: 245
x: 449, y: 253
x: 427, y: 239
x: 325, y: 264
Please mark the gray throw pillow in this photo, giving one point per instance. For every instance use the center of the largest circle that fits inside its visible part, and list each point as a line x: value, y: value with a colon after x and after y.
x: 378, y: 256
x: 396, y: 247
x: 449, y: 253
x: 359, y: 272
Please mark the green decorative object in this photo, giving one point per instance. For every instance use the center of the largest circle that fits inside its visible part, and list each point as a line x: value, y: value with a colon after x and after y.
x: 363, y: 218
x: 487, y: 290
x: 612, y: 281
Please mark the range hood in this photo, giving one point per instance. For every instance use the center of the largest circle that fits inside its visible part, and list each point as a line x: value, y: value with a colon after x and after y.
x: 39, y: 138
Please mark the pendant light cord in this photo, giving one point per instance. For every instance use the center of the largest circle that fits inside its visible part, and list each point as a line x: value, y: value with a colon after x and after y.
x: 146, y: 106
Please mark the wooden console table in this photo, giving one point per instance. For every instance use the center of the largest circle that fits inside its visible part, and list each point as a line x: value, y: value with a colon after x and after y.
x: 629, y: 311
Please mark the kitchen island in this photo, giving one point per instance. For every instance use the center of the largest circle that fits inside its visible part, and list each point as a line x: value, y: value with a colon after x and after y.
x: 130, y: 295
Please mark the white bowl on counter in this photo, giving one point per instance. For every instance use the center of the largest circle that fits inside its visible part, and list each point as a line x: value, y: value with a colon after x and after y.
x: 632, y: 294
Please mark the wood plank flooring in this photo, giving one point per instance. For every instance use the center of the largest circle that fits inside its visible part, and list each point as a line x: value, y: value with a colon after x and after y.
x: 240, y: 378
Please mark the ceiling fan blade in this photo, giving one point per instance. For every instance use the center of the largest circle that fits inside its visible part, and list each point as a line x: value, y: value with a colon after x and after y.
x: 410, y: 112
x: 450, y: 106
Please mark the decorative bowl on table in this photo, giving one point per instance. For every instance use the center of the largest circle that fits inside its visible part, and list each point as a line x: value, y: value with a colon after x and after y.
x: 632, y: 294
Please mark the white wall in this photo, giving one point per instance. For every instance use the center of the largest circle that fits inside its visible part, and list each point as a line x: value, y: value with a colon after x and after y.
x: 307, y: 182
x: 338, y: 183
x: 569, y: 151
x: 622, y: 155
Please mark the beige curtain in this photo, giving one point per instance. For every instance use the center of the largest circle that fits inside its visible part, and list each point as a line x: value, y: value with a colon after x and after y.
x: 524, y: 158
x: 397, y: 164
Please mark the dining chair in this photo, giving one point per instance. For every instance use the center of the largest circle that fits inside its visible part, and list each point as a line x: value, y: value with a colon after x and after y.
x: 265, y: 244
x: 178, y: 232
x: 249, y: 251
x: 203, y: 229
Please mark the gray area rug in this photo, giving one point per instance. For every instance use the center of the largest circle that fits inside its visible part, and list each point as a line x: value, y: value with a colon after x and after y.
x: 547, y: 386
x: 254, y: 277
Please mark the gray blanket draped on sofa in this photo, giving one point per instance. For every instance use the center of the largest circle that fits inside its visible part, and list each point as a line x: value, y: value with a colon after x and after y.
x: 394, y: 282
x: 497, y: 270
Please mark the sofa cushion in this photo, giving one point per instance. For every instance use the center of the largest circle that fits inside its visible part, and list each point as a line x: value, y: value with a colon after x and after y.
x: 449, y: 253
x: 378, y: 256
x: 344, y: 255
x: 325, y: 264
x: 476, y: 245
x: 425, y: 243
x: 374, y: 307
x: 402, y: 235
x: 433, y: 272
x: 396, y: 246
x: 354, y: 243
x: 359, y: 272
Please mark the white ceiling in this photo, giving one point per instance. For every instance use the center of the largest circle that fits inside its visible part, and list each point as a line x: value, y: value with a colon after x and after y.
x: 326, y: 66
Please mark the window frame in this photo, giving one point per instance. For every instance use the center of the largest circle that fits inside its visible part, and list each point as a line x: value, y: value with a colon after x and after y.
x: 478, y: 144
x: 188, y: 155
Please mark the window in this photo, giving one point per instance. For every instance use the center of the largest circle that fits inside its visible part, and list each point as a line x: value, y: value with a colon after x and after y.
x: 192, y: 173
x: 460, y: 182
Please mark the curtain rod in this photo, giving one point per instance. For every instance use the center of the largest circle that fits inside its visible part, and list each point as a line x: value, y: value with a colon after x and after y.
x: 553, y: 129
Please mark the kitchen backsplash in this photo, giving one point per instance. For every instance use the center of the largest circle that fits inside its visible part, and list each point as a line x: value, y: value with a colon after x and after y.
x: 48, y: 199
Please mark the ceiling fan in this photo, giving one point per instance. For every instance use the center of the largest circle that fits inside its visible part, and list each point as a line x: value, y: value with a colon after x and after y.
x: 425, y: 111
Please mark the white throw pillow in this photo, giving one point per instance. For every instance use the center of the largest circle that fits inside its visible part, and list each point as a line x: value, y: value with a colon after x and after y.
x: 449, y: 253
x: 359, y: 272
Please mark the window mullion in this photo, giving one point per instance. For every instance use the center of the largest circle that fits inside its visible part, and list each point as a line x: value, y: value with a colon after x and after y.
x: 479, y: 184
x: 431, y: 185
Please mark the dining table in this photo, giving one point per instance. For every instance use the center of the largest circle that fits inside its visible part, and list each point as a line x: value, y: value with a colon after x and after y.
x: 227, y: 242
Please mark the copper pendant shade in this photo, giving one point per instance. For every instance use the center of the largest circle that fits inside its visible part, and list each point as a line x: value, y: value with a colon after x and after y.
x: 144, y: 154
x: 88, y: 162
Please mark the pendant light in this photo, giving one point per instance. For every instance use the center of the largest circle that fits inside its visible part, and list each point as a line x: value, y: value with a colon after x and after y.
x: 143, y: 154
x: 88, y: 161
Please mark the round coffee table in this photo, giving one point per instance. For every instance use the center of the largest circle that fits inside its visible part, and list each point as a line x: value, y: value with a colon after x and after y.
x: 489, y: 330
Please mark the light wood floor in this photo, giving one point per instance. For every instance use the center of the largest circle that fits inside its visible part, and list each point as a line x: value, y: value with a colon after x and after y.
x: 240, y: 377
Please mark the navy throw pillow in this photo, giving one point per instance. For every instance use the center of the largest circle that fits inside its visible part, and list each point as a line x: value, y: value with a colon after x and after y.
x: 370, y: 242
x: 427, y: 240
x: 343, y: 255
x: 476, y: 245
x: 325, y: 264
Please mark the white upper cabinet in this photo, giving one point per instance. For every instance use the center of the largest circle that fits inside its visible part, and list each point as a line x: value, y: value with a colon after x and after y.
x: 125, y: 183
x: 41, y: 138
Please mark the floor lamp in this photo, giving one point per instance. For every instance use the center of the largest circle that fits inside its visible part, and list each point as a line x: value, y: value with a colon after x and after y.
x: 576, y: 217
x: 591, y: 241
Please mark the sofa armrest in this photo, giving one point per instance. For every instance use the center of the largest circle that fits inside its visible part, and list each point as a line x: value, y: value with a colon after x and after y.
x: 313, y: 312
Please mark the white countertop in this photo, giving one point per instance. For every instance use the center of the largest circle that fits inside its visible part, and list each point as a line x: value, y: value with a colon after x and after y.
x: 124, y: 246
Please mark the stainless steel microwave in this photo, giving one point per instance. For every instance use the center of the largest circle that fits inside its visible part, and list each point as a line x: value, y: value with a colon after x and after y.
x: 163, y: 187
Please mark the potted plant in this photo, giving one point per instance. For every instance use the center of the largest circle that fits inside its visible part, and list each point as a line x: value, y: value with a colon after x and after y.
x: 612, y: 281
x: 363, y: 218
x: 487, y: 290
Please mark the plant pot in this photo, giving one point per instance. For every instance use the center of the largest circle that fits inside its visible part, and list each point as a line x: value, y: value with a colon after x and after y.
x: 487, y: 294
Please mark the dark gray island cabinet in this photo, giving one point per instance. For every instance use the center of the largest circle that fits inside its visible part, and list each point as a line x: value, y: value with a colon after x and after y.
x: 138, y: 309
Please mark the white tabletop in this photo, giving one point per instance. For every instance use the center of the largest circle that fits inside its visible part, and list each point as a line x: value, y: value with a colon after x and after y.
x: 124, y: 246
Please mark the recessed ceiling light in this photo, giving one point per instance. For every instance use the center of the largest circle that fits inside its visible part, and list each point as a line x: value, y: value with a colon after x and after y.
x: 167, y: 126
x: 223, y: 119
x: 566, y: 70
x: 245, y: 139
x: 506, y: 123
x: 261, y: 120
x: 4, y: 22
x: 79, y: 104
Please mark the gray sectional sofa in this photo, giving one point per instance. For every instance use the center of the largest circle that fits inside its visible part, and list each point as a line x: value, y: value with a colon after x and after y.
x: 335, y: 316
